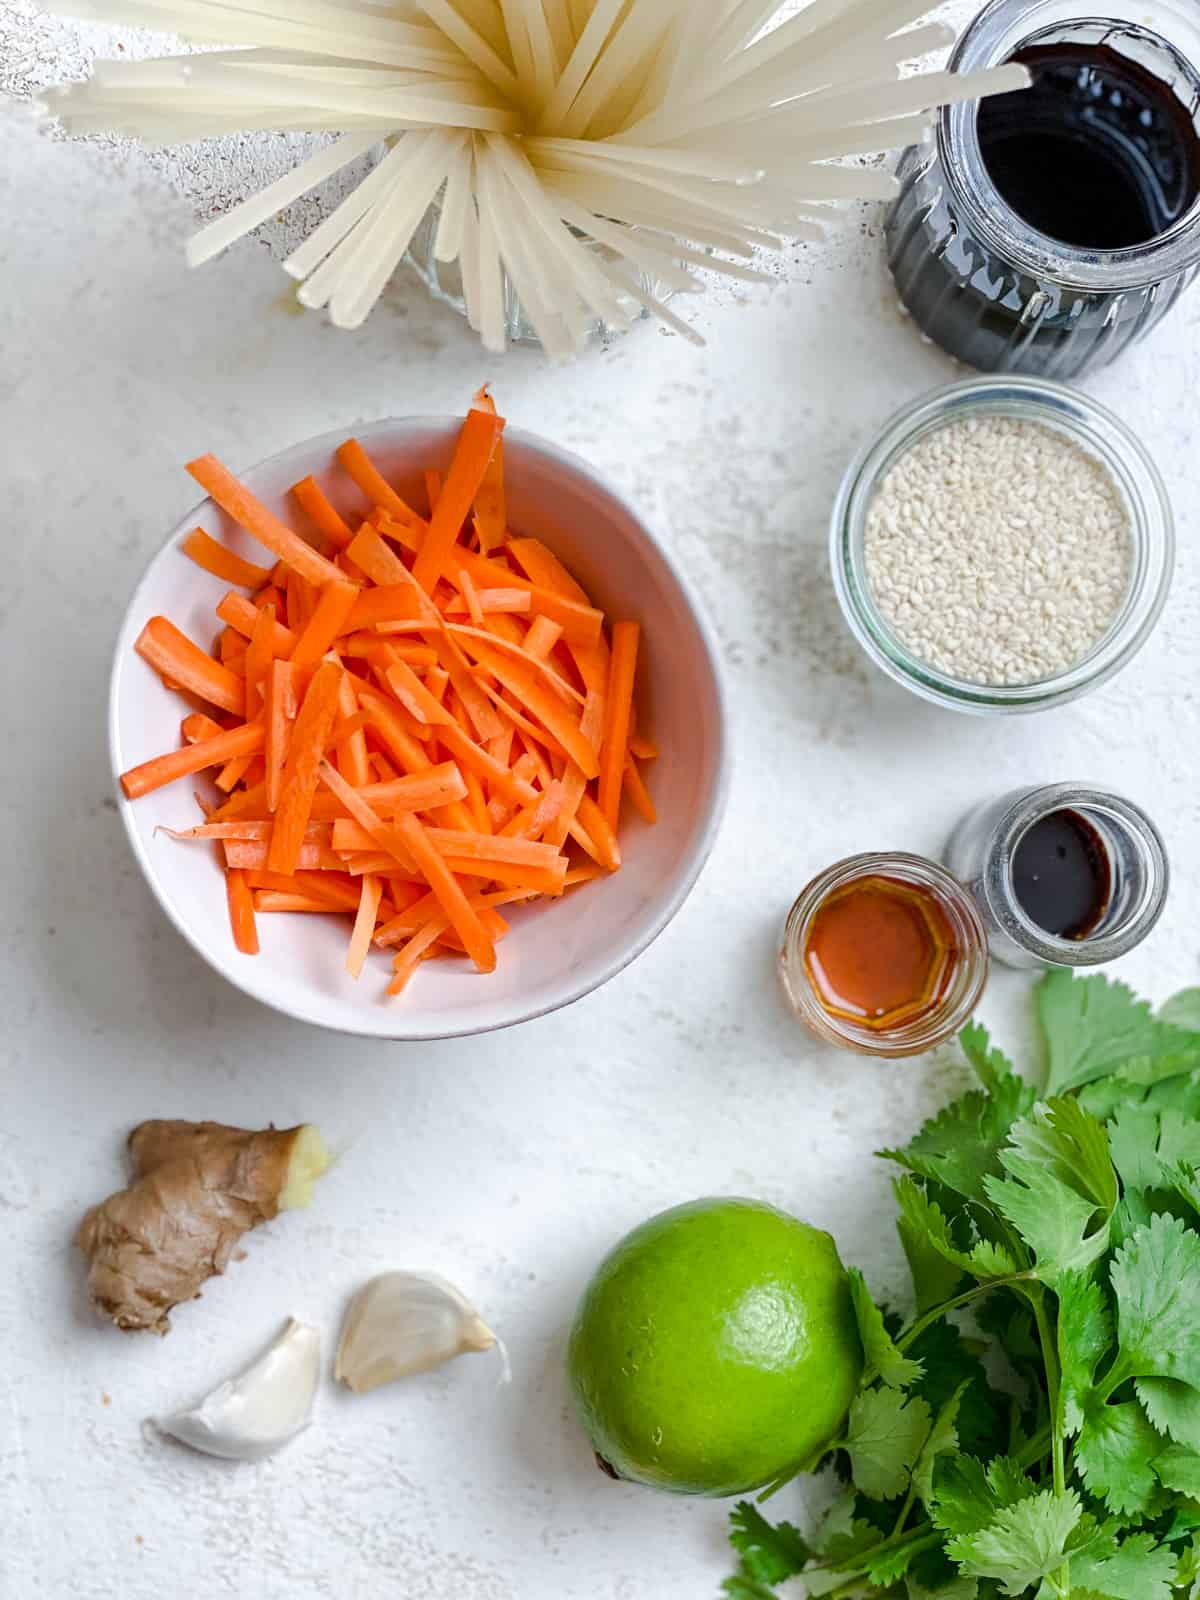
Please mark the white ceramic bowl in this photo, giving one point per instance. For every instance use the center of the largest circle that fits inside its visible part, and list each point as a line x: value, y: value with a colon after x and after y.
x: 556, y: 952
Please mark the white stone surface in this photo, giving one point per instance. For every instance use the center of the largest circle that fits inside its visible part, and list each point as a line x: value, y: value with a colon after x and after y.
x: 508, y: 1164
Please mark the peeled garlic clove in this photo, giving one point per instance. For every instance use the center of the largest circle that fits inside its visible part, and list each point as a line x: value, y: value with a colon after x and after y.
x: 405, y: 1322
x: 259, y: 1411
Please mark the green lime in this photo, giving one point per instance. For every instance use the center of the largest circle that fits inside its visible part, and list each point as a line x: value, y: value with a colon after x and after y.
x: 715, y: 1349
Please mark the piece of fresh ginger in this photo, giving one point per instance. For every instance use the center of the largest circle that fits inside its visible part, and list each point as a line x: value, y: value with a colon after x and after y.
x: 197, y: 1188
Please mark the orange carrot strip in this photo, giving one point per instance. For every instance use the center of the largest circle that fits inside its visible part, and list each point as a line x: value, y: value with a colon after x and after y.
x: 464, y: 919
x: 221, y: 561
x: 301, y: 602
x: 433, y: 487
x: 386, y: 836
x: 491, y: 514
x: 199, y: 726
x: 237, y: 501
x: 493, y: 847
x: 644, y: 749
x: 468, y: 754
x: 259, y: 654
x: 231, y: 648
x: 591, y: 725
x: 312, y: 501
x: 437, y: 681
x: 243, y: 828
x: 280, y: 715
x: 438, y: 786
x: 377, y: 559
x: 273, y: 900
x: 374, y: 485
x: 525, y: 682
x: 414, y: 696
x: 241, y: 912
x: 251, y: 801
x: 303, y: 766
x: 476, y: 444
x: 414, y: 952
x: 618, y: 707
x: 578, y: 875
x: 532, y: 822
x: 373, y: 647
x: 252, y: 855
x: 602, y: 834
x: 242, y: 614
x: 232, y: 773
x: 174, y: 656
x: 386, y: 721
x: 364, y: 925
x: 517, y: 652
x: 542, y: 567
x: 353, y: 758
x: 633, y: 786
x: 338, y: 890
x: 543, y: 634
x: 471, y: 597
x: 333, y: 606
x: 151, y: 775
x: 492, y: 602
x: 541, y: 880
x: 390, y: 602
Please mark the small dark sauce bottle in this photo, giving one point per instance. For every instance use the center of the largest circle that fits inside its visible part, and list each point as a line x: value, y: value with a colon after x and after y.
x: 1050, y: 227
x: 1062, y: 875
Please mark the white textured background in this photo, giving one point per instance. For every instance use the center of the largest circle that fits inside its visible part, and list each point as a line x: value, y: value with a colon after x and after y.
x: 509, y: 1163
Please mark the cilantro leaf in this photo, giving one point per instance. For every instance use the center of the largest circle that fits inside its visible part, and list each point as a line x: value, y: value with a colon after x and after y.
x: 769, y: 1553
x: 990, y: 1063
x: 961, y: 1145
x: 742, y: 1588
x: 1133, y: 1136
x: 926, y: 1218
x: 967, y: 1495
x: 884, y: 1361
x: 1182, y: 1010
x: 1153, y: 1277
x: 1021, y: 1544
x: 841, y: 1535
x: 1178, y: 1468
x: 1137, y: 1569
x: 889, y: 1566
x: 1085, y: 1333
x: 1173, y: 1408
x: 956, y: 1588
x: 941, y: 1441
x: 1095, y: 1027
x: 1061, y: 1189
x: 935, y: 1279
x: 950, y: 1366
x: 1115, y: 1454
x: 883, y: 1439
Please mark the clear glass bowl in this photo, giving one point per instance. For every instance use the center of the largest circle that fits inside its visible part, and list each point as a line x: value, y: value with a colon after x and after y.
x: 969, y: 974
x: 1098, y: 432
x: 443, y: 279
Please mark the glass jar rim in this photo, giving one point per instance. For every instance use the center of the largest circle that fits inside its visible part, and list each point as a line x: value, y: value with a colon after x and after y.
x: 1097, y: 430
x: 959, y: 905
x: 989, y: 39
x: 998, y: 889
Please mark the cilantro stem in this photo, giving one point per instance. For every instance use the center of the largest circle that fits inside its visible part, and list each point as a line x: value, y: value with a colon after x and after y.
x: 1046, y: 1337
x: 938, y: 1312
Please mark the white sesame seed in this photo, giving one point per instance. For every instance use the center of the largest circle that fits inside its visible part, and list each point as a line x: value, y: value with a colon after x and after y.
x: 998, y: 550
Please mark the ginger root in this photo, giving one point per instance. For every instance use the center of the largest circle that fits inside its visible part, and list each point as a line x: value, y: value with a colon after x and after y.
x: 197, y: 1188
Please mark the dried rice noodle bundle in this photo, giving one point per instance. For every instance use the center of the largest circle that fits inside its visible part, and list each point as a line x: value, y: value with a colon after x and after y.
x: 577, y: 149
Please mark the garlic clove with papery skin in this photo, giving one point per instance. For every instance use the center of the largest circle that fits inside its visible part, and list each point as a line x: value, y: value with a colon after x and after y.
x: 401, y: 1323
x: 263, y: 1408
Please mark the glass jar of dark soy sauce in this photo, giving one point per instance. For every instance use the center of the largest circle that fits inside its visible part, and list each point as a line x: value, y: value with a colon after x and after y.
x: 1043, y: 231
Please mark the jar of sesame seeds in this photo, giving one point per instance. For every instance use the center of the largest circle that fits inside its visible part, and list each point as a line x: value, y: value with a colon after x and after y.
x: 1003, y: 545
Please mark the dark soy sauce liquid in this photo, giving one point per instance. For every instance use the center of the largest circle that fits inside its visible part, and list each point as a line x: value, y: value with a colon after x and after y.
x: 1098, y: 153
x: 1062, y: 875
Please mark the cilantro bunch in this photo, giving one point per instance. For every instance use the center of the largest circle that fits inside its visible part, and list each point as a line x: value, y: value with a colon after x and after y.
x: 1034, y: 1430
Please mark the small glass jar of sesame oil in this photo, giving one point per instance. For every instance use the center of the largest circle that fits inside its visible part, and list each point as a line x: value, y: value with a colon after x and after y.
x: 884, y: 954
x: 1002, y: 546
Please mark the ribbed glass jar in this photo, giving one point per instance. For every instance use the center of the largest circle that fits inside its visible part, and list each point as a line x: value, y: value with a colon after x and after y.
x: 983, y: 847
x: 976, y: 277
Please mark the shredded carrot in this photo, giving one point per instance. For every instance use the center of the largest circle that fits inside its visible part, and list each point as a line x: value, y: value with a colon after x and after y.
x: 192, y: 758
x: 241, y: 912
x: 301, y: 769
x: 625, y: 639
x: 173, y: 655
x: 313, y: 501
x: 364, y: 925
x: 222, y: 562
x: 434, y: 723
x: 237, y: 501
x: 280, y: 714
x: 476, y: 444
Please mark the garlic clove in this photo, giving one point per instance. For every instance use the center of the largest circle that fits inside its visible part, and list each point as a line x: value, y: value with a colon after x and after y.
x: 259, y: 1411
x: 405, y: 1322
